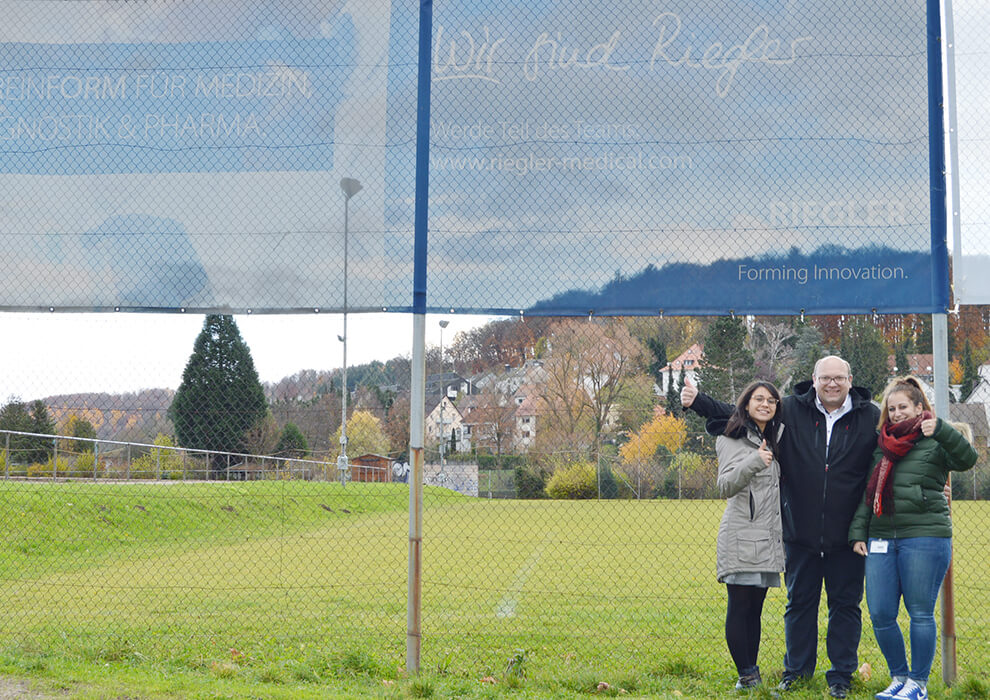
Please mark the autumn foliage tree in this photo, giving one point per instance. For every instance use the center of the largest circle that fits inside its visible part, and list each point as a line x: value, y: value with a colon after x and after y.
x: 365, y: 435
x: 641, y: 455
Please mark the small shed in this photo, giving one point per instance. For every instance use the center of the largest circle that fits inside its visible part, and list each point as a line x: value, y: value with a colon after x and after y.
x: 372, y: 467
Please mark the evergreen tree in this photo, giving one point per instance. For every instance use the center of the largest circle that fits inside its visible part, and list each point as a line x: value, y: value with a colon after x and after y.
x: 79, y: 428
x: 808, y: 349
x: 971, y: 374
x: 863, y: 347
x: 658, y: 359
x: 220, y: 397
x: 901, y: 359
x: 923, y: 334
x: 728, y: 365
x: 608, y: 486
x: 41, y: 421
x: 291, y: 442
x: 17, y: 416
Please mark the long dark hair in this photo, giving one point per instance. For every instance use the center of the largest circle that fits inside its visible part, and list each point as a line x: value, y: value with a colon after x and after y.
x: 739, y: 420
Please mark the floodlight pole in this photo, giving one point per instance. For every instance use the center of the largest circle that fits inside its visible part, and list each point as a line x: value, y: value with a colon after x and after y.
x: 350, y: 187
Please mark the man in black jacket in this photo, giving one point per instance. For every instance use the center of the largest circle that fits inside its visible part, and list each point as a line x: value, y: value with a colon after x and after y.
x: 825, y: 458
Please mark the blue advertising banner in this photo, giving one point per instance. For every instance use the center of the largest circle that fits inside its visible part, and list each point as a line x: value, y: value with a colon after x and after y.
x: 756, y: 156
x: 759, y: 156
x: 163, y: 155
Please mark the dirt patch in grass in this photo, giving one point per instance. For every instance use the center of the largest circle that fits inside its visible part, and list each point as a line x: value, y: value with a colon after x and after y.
x: 14, y: 688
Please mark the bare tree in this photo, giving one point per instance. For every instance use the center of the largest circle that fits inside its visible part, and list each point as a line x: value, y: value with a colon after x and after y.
x: 494, y: 421
x: 773, y: 347
x: 587, y: 368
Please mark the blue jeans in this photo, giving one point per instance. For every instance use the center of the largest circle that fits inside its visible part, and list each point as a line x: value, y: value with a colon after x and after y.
x: 912, y: 568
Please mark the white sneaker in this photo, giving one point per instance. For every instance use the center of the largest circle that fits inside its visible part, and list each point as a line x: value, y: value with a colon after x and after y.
x: 890, y: 691
x: 911, y: 691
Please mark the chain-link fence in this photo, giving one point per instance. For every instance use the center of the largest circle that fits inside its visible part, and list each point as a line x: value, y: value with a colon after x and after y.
x: 604, y: 174
x: 570, y: 511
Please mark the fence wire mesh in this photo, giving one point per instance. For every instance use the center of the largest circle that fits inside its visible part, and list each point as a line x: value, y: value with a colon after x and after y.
x: 570, y: 510
x: 168, y: 494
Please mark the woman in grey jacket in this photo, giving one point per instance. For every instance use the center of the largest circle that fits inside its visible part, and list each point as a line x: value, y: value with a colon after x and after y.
x: 750, y: 550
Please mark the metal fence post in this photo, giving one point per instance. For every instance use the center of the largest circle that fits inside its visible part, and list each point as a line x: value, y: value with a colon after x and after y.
x: 96, y: 458
x: 54, y: 459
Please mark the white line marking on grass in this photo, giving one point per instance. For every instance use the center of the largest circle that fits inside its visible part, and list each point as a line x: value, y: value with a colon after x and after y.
x: 507, y: 606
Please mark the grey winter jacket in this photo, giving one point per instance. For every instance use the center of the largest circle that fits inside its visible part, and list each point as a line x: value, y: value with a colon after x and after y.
x: 749, y: 537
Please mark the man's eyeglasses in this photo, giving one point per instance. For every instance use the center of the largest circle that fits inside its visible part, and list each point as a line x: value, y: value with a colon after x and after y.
x: 768, y: 400
x: 833, y: 380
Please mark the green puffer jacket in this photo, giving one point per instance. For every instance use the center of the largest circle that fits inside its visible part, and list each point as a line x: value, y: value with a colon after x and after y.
x: 920, y: 509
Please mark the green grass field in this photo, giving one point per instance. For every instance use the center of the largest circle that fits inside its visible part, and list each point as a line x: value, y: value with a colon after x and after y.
x: 298, y: 589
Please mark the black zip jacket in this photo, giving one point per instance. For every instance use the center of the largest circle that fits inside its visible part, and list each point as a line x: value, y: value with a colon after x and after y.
x: 820, y: 489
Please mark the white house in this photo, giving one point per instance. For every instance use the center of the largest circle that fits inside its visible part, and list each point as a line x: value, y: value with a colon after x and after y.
x: 689, y: 360
x: 444, y: 419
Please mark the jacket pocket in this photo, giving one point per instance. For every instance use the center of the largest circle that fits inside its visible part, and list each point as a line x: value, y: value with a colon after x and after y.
x: 753, y: 545
x: 916, y: 496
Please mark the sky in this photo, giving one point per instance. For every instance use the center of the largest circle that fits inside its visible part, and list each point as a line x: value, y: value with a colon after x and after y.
x: 971, y: 19
x: 46, y: 354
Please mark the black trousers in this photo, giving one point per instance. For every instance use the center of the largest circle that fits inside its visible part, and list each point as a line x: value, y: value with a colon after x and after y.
x: 841, y: 572
x: 743, y: 619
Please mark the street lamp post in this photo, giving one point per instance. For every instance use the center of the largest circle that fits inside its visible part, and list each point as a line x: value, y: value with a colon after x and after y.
x: 350, y: 187
x: 443, y: 395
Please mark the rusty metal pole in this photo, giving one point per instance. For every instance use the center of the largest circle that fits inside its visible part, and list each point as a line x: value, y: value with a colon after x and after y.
x: 940, y: 350
x: 950, y: 668
x: 417, y: 424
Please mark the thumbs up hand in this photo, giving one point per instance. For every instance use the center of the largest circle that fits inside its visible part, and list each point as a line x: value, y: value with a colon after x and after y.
x: 689, y: 392
x: 765, y: 454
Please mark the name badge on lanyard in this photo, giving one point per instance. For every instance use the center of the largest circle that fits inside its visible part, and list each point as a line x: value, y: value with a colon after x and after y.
x: 878, y: 547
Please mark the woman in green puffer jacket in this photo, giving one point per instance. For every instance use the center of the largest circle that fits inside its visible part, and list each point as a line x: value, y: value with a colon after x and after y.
x: 903, y: 529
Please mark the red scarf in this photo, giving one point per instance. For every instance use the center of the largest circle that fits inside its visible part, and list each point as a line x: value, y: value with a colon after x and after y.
x: 896, y: 440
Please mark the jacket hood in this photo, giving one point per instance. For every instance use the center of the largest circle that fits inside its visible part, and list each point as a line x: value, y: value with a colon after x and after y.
x: 805, y: 391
